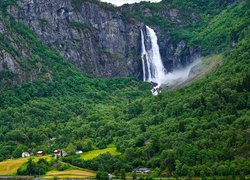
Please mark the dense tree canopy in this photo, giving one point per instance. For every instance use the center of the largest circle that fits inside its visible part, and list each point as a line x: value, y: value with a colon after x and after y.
x: 198, y: 130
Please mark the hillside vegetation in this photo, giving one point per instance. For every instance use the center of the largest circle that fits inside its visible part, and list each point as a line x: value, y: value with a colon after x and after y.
x: 199, y: 130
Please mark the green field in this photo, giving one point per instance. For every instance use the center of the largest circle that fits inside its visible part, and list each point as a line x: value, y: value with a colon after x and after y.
x: 70, y: 174
x: 93, y: 154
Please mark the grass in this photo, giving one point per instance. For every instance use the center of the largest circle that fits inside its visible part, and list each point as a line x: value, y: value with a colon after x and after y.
x: 93, y: 154
x: 70, y: 174
x: 10, y: 167
x: 48, y: 158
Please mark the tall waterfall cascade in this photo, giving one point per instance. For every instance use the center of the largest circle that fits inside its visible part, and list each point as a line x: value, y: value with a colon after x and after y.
x: 152, y: 66
x: 153, y: 69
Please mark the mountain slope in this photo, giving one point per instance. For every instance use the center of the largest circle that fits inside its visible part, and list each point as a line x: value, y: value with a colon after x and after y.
x: 112, y: 34
x: 48, y: 83
x: 199, y: 130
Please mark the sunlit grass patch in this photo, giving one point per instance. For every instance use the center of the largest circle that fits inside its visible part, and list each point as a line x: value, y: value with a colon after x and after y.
x: 70, y: 174
x: 93, y: 154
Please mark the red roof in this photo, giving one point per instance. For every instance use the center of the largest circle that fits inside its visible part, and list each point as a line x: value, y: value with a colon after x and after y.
x: 40, y: 153
x: 57, y: 151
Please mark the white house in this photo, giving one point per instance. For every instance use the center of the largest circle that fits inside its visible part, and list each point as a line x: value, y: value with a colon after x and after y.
x: 60, y: 153
x: 142, y: 170
x: 25, y: 154
x: 64, y: 153
x: 79, y: 152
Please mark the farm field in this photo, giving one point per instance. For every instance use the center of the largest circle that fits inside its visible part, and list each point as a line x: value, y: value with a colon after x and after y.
x: 94, y: 153
x: 70, y: 174
x: 10, y: 167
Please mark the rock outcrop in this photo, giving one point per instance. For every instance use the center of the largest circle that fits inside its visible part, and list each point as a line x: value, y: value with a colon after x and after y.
x: 97, y: 39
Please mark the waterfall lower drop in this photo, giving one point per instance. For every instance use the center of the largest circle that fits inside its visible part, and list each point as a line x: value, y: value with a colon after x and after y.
x: 153, y: 69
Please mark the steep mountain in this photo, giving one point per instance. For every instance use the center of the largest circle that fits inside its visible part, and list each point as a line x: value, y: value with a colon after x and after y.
x: 102, y: 40
x: 94, y: 39
x: 48, y: 103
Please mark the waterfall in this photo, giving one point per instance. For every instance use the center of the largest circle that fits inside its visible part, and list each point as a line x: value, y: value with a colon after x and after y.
x: 152, y: 66
x: 153, y: 69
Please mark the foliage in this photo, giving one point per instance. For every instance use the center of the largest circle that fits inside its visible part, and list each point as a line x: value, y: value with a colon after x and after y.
x: 222, y: 33
x: 62, y: 167
x: 200, y: 130
x: 102, y: 175
x: 6, y: 3
x: 104, y: 162
x: 34, y: 168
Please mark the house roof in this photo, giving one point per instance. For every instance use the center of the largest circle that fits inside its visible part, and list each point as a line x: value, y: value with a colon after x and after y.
x: 25, y: 154
x: 143, y: 169
x: 79, y: 152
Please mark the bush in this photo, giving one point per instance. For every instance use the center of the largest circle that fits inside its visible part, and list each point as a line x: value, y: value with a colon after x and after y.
x: 102, y: 175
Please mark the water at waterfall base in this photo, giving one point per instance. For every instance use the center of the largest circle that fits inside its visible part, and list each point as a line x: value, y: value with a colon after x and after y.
x: 175, y: 79
x: 179, y: 76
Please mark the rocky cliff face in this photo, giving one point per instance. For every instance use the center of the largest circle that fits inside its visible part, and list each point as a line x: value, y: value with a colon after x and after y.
x: 9, y: 62
x: 97, y: 40
x: 174, y: 54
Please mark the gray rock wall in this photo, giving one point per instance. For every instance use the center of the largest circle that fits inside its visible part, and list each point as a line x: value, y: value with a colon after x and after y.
x: 97, y: 40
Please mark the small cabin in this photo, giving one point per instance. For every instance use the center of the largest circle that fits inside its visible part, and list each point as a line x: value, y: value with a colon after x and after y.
x: 79, y: 152
x: 58, y: 152
x: 40, y: 153
x: 25, y: 154
x: 64, y: 153
x: 143, y: 170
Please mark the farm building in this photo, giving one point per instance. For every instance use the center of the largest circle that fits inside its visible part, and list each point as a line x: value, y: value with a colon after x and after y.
x: 57, y: 152
x: 25, y: 154
x: 40, y: 153
x: 142, y: 170
x: 79, y: 152
x: 60, y: 153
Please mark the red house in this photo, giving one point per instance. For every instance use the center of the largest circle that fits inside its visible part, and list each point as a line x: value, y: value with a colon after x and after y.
x: 58, y: 152
x: 40, y: 153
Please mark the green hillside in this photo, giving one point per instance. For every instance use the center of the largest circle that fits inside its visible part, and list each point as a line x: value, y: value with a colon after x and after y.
x: 199, y: 130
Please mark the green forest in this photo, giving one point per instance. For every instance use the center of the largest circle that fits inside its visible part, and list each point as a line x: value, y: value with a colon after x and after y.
x: 200, y: 130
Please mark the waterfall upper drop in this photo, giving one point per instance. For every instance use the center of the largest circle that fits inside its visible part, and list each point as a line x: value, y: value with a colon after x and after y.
x: 153, y: 69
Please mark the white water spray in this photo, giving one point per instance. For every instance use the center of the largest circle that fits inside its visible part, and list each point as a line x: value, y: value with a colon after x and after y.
x: 180, y: 76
